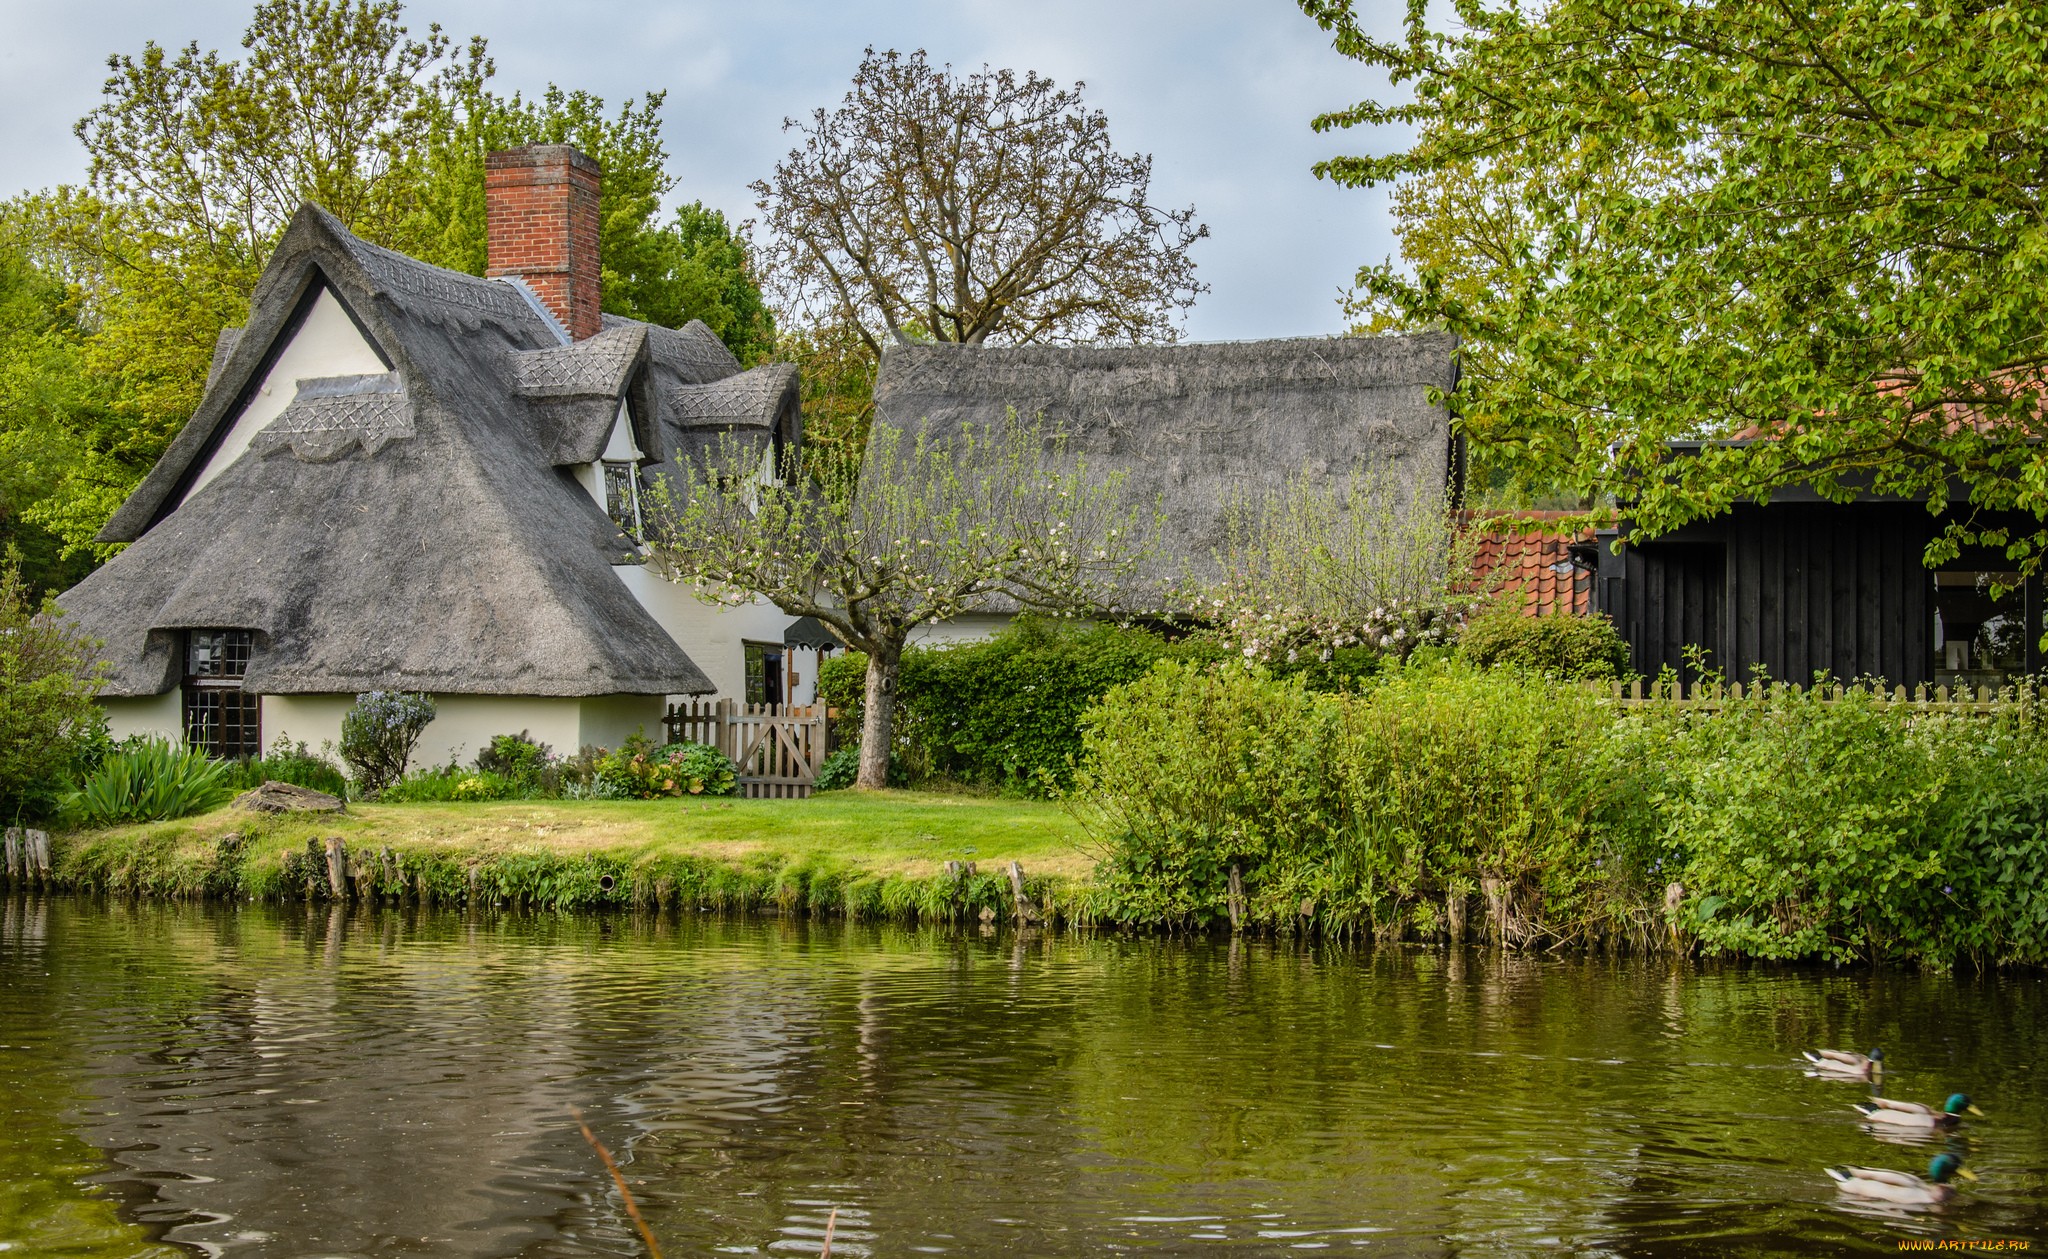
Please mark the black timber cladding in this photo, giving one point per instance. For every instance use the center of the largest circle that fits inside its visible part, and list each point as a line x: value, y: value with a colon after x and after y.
x: 1797, y: 588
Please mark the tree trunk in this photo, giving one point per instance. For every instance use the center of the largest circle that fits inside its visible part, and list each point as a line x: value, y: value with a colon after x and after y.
x: 878, y: 718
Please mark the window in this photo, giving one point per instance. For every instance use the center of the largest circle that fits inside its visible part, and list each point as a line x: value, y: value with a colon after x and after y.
x: 1979, y: 640
x: 622, y: 496
x: 220, y: 719
x: 764, y: 673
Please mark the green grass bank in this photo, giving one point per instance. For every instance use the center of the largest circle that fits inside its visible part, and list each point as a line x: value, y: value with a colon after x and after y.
x: 881, y: 855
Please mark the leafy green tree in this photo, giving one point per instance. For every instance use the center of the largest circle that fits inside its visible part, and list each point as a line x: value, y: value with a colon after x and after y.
x: 1816, y: 226
x: 48, y: 679
x: 930, y: 529
x: 198, y: 160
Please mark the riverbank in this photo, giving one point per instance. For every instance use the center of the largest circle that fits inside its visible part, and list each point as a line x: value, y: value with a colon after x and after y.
x: 896, y: 855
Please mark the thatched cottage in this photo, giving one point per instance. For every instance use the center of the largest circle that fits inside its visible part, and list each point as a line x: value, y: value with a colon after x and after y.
x: 1194, y: 426
x: 402, y: 477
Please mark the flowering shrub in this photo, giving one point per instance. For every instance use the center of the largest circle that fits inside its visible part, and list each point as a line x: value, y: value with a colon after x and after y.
x: 379, y: 732
x: 641, y: 771
x: 1264, y: 633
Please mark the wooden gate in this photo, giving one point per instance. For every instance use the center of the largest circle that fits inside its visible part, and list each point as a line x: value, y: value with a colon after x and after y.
x: 778, y: 748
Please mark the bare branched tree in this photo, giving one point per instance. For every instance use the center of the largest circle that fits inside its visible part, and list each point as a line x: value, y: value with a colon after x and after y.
x: 934, y: 528
x: 989, y: 206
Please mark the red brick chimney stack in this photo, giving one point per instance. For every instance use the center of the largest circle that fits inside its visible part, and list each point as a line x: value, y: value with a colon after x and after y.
x: 540, y: 209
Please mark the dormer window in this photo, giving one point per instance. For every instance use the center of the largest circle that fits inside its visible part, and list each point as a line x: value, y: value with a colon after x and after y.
x: 221, y: 719
x: 622, y: 497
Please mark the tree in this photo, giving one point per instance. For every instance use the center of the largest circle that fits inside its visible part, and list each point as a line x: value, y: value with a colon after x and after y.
x: 933, y: 529
x: 198, y: 160
x: 48, y: 679
x: 1807, y: 235
x: 968, y: 209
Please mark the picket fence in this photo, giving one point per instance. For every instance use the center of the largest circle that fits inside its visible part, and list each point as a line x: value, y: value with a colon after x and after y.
x: 779, y: 748
x: 1707, y: 695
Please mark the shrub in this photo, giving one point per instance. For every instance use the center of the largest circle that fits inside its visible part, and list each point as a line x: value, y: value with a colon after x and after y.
x: 1369, y: 809
x: 1579, y: 647
x: 450, y: 783
x: 50, y: 729
x: 1796, y: 828
x: 379, y: 732
x: 288, y: 762
x: 521, y: 759
x: 840, y: 770
x: 148, y: 780
x: 641, y: 771
x: 1004, y: 713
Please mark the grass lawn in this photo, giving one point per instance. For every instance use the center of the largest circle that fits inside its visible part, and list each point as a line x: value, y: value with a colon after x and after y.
x: 891, y: 833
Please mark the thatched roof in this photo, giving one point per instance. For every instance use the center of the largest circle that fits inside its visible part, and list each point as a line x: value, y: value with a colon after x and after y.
x: 419, y: 528
x: 1195, y: 425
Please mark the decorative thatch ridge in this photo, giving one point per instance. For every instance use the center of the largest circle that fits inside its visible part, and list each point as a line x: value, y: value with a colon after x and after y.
x: 1193, y: 425
x: 419, y: 535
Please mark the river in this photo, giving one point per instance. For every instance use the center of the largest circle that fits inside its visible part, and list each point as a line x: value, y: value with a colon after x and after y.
x: 257, y: 1081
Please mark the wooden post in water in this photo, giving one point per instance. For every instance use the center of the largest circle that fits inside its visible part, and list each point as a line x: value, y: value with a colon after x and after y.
x: 1236, y: 899
x: 1454, y: 915
x: 1495, y: 892
x: 1027, y: 913
x: 13, y: 848
x: 337, y: 868
x: 394, y: 886
x: 39, y: 848
x: 1674, y: 898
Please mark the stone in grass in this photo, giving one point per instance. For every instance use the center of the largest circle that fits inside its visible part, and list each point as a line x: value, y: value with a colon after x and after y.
x: 277, y: 797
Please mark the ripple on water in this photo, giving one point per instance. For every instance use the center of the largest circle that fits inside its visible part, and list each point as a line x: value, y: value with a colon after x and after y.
x: 401, y: 1082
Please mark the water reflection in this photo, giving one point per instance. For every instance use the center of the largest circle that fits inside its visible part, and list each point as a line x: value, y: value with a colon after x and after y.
x: 259, y: 1082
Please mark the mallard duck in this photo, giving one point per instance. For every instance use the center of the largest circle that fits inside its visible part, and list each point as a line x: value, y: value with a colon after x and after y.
x: 1903, y: 1187
x: 1914, y: 1115
x: 1845, y: 1065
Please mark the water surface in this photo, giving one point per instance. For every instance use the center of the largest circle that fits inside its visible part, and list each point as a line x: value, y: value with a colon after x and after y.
x: 259, y: 1081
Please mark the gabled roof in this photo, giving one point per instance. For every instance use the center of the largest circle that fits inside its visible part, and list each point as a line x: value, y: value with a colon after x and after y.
x: 1196, y: 425
x: 410, y: 529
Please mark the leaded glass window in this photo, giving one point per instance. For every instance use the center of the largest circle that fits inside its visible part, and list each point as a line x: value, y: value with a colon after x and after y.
x: 622, y: 497
x: 221, y: 719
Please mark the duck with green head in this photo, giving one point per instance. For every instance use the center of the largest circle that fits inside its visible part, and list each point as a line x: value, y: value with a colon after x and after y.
x: 1913, y: 1115
x: 1904, y: 1188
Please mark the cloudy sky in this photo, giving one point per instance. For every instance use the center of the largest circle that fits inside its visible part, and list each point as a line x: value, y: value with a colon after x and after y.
x: 1220, y: 92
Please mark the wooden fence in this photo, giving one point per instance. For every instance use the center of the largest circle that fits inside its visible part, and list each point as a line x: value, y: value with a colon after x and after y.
x: 1714, y: 695
x: 778, y: 748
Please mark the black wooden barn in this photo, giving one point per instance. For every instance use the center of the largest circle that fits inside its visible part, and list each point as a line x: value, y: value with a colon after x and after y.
x: 1802, y: 585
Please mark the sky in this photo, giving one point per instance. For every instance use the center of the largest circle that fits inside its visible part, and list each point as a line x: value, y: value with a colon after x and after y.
x: 1220, y: 92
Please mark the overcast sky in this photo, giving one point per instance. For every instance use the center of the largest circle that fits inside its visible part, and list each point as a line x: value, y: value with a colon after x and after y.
x: 1220, y: 92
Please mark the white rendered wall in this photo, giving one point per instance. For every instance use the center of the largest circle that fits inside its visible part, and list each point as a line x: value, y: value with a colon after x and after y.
x: 326, y: 344
x: 464, y: 724
x: 147, y: 715
x: 714, y: 637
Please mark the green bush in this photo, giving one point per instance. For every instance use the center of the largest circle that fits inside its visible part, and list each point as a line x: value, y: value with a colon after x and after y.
x: 379, y: 732
x: 50, y: 729
x: 1795, y: 828
x: 521, y: 759
x: 641, y: 771
x: 1861, y: 829
x: 148, y: 780
x: 288, y: 762
x: 1005, y: 713
x: 1580, y: 647
x: 840, y: 770
x: 1370, y: 809
x: 452, y: 783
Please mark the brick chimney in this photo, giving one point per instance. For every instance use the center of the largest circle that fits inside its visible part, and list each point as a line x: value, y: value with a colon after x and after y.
x: 540, y: 209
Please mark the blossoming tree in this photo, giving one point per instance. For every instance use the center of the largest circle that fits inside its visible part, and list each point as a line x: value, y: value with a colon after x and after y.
x: 931, y: 528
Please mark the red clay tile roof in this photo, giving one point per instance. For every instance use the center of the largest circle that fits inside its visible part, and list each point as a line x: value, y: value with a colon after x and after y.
x: 1537, y: 563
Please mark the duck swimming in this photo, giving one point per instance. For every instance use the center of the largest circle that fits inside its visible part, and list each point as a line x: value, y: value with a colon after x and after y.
x: 1844, y: 1065
x: 1914, y: 1115
x: 1904, y: 1188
